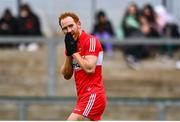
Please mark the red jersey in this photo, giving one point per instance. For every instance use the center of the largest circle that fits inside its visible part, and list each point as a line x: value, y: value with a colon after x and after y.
x: 89, y: 83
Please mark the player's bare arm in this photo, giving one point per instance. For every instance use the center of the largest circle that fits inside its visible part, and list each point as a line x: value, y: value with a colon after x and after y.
x: 88, y: 64
x: 67, y: 69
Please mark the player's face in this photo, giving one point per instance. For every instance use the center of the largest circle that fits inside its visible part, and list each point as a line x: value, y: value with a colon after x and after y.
x: 69, y: 26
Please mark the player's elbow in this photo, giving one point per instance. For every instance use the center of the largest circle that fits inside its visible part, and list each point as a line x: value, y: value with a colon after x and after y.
x: 67, y: 77
x: 67, y: 74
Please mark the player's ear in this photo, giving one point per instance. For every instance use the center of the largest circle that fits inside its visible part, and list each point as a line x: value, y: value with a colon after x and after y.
x: 79, y: 24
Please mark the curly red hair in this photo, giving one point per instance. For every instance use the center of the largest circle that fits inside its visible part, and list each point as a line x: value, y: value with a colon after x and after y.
x: 68, y: 14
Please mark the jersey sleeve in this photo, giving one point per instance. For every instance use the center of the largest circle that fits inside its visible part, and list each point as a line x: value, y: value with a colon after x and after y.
x: 92, y: 46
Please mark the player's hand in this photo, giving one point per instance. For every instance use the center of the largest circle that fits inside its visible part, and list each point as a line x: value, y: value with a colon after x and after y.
x: 70, y: 44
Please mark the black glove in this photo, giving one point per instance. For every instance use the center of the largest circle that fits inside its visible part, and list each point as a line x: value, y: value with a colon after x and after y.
x: 70, y: 44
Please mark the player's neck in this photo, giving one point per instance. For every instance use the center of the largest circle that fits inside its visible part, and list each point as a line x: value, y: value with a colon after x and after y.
x: 80, y: 32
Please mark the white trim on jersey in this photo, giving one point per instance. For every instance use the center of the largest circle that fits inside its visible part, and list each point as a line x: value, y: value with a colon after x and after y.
x: 92, y: 46
x: 100, y: 58
x: 88, y: 108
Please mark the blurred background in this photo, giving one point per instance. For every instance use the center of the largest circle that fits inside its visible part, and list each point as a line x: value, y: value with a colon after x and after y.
x: 141, y: 42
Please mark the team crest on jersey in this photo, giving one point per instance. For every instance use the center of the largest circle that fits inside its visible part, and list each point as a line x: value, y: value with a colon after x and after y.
x: 76, y: 66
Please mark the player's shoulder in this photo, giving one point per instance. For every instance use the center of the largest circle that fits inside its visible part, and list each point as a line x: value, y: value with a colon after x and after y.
x: 88, y: 36
x: 91, y: 38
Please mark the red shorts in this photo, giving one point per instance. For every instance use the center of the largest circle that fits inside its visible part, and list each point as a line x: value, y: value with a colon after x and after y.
x: 91, y: 106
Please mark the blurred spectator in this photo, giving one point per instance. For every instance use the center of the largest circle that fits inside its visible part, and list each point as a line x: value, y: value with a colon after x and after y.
x: 130, y: 23
x: 168, y: 27
x: 131, y: 28
x: 161, y: 21
x: 8, y: 26
x: 166, y: 22
x: 29, y: 25
x: 171, y: 30
x: 149, y: 31
x: 149, y: 13
x: 146, y: 27
x: 104, y: 31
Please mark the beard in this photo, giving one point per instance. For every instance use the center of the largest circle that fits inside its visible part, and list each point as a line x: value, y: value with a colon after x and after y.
x: 76, y: 35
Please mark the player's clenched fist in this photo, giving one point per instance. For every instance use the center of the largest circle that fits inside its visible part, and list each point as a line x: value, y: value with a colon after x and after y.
x: 70, y: 44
